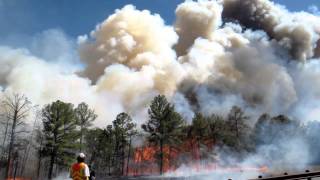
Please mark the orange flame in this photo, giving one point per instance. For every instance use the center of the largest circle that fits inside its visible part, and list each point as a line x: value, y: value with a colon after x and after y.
x: 145, y: 161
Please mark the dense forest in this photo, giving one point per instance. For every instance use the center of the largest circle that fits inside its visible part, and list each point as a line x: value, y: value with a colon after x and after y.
x: 48, y: 144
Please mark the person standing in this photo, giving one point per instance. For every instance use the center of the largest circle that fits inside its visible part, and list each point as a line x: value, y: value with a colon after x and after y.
x: 92, y: 173
x: 80, y: 170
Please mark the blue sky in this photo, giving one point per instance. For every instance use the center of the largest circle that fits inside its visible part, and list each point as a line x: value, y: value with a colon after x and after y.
x: 77, y: 17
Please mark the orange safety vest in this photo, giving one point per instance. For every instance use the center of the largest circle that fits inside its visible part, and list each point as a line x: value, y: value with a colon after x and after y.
x: 78, y: 171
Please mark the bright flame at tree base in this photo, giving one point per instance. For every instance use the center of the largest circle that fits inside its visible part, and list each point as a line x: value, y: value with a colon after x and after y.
x: 145, y: 161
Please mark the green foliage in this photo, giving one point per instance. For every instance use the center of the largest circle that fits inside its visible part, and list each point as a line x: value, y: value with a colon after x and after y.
x: 84, y: 117
x: 124, y: 128
x: 60, y: 133
x: 100, y: 145
x: 237, y: 121
x: 164, y: 127
x: 218, y: 129
x: 199, y: 127
x: 164, y: 123
x: 109, y: 147
x: 199, y: 130
x: 232, y: 131
x: 239, y: 131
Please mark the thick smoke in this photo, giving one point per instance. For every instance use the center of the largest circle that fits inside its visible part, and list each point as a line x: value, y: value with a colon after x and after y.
x: 294, y: 31
x: 43, y: 82
x: 130, y: 54
x: 218, y: 54
x: 130, y: 37
x: 196, y: 19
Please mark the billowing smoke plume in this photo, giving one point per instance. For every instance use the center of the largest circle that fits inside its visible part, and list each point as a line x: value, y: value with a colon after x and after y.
x: 216, y: 55
x: 130, y: 37
x: 132, y: 56
x: 194, y: 20
x: 294, y: 31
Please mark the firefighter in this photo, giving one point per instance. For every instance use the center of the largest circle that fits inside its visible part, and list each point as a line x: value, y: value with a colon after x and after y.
x: 92, y: 173
x: 80, y: 170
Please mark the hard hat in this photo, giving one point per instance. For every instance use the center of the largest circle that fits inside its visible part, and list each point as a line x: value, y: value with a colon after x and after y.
x: 82, y: 155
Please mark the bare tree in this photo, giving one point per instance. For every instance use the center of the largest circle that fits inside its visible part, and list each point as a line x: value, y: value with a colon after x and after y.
x: 30, y: 143
x: 5, y: 122
x: 16, y: 108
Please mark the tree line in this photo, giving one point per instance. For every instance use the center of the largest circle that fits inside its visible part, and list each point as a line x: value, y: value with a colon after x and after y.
x: 60, y: 130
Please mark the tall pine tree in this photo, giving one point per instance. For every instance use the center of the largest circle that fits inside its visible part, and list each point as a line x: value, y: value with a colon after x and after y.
x: 164, y: 126
x: 199, y: 130
x: 60, y: 134
x: 123, y: 129
x: 84, y: 116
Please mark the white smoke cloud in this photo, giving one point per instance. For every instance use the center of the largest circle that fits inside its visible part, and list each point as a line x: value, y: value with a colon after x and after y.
x: 131, y: 37
x: 131, y: 54
x: 306, y: 76
x: 196, y: 19
x: 43, y: 82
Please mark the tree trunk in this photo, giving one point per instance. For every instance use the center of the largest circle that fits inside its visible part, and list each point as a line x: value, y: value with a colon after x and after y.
x: 115, y: 159
x: 52, y: 158
x: 4, y: 142
x: 128, y: 158
x: 81, y: 136
x: 199, y: 149
x: 11, y: 146
x: 5, y: 136
x: 161, y: 157
x: 109, y: 165
x: 122, y: 154
x: 40, y: 157
x: 237, y: 129
x: 25, y: 157
x: 39, y: 166
x: 93, y: 156
x: 15, y: 168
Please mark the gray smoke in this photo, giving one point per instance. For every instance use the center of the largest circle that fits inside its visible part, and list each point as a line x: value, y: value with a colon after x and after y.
x: 292, y: 30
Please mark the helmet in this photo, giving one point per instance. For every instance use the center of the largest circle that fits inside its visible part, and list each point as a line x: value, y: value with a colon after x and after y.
x: 81, y: 155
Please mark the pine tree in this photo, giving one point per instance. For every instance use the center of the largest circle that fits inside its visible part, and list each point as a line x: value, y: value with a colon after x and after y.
x: 84, y: 116
x: 60, y: 134
x: 238, y: 129
x: 123, y: 130
x: 95, y: 144
x: 217, y: 128
x: 101, y: 143
x: 237, y: 120
x: 164, y: 126
x: 109, y: 147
